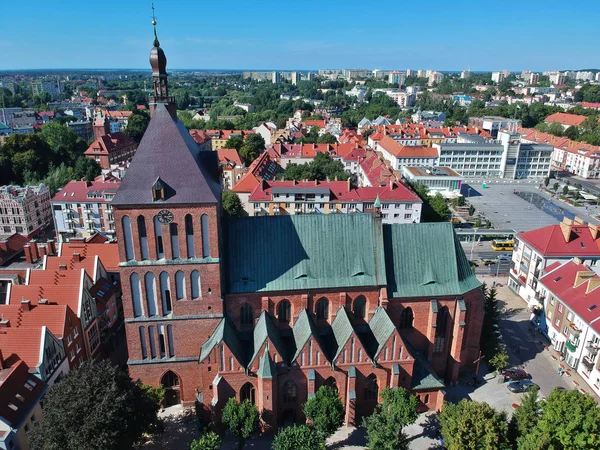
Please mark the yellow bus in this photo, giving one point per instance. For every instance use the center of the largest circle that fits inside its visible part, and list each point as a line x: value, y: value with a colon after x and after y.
x: 507, y: 245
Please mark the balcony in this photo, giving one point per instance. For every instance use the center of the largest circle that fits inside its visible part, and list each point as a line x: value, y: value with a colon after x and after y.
x: 592, y: 348
x: 572, y: 346
x: 574, y: 330
x: 588, y: 363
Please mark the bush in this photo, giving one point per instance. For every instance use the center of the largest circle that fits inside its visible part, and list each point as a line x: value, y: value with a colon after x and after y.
x: 208, y: 441
x: 298, y: 437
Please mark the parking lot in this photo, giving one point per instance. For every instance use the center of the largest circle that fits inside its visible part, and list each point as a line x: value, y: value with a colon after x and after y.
x: 498, y: 203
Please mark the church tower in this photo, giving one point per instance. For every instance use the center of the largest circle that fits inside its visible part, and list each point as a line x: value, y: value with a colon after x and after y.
x: 167, y: 218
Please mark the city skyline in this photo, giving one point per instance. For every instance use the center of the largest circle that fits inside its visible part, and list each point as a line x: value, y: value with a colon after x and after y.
x: 283, y: 37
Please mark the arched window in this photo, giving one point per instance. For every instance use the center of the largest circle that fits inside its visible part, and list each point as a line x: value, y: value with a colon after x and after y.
x: 440, y: 330
x: 284, y: 311
x: 126, y: 223
x: 180, y: 285
x: 322, y: 309
x: 290, y: 392
x: 174, y: 240
x: 160, y: 251
x: 371, y: 388
x: 195, y: 281
x: 136, y: 295
x: 248, y: 393
x: 189, y: 235
x: 426, y: 401
x: 150, y: 283
x: 171, y: 341
x: 169, y: 380
x: 205, y: 237
x: 331, y: 383
x: 246, y: 317
x: 141, y: 224
x: 406, y: 318
x: 165, y: 293
x: 360, y: 307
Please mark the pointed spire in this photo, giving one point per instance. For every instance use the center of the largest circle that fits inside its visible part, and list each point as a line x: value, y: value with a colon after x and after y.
x: 377, y: 203
x: 156, y: 43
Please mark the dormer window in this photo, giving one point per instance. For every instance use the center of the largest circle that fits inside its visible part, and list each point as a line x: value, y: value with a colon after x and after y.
x: 158, y: 190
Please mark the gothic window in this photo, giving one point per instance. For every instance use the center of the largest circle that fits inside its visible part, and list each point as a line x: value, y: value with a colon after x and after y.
x: 284, y: 310
x: 174, y: 240
x: 165, y: 293
x: 290, y: 392
x: 160, y: 252
x: 322, y: 309
x: 406, y: 318
x: 360, y: 306
x: 205, y: 237
x: 246, y: 317
x: 189, y: 235
x: 136, y: 296
x: 440, y: 329
x: 126, y: 222
x: 195, y: 281
x: 169, y: 380
x: 248, y: 393
x: 150, y: 293
x: 170, y: 341
x: 331, y: 383
x: 371, y: 388
x: 141, y: 224
x: 180, y: 285
x: 152, y: 341
x: 143, y: 342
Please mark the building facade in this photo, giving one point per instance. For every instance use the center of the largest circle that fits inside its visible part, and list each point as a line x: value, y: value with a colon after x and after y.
x: 24, y: 210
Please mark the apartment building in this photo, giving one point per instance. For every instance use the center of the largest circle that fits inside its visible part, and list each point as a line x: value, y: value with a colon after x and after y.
x: 109, y: 148
x: 493, y: 124
x: 536, y: 250
x: 437, y: 179
x: 219, y: 137
x: 406, y: 155
x: 24, y: 210
x: 395, y: 202
x: 83, y: 208
x: 570, y: 316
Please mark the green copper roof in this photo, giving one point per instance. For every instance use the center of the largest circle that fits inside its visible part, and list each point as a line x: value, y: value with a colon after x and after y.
x: 426, y: 259
x: 265, y: 330
x: 302, y: 330
x: 342, y: 330
x: 382, y: 328
x: 225, y: 332
x: 303, y: 252
x: 424, y: 377
x: 267, y: 368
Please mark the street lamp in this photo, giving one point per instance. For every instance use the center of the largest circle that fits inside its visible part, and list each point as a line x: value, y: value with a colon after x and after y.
x: 473, y: 246
x: 468, y: 192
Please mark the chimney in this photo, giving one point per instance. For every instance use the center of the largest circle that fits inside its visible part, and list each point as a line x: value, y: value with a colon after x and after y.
x: 35, y: 252
x: 582, y: 276
x: 4, y: 323
x: 392, y: 186
x: 43, y: 301
x: 62, y: 267
x: 27, y: 251
x: 42, y: 250
x: 349, y: 184
x: 51, y: 245
x: 594, y: 230
x: 26, y: 305
x: 566, y: 231
x: 77, y: 257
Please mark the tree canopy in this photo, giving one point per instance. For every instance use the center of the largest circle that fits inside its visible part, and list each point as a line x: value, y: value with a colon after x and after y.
x: 208, y: 441
x: 136, y: 126
x: 325, y: 411
x: 96, y: 406
x: 252, y: 147
x: 320, y: 168
x: 240, y: 418
x: 232, y: 204
x: 298, y: 437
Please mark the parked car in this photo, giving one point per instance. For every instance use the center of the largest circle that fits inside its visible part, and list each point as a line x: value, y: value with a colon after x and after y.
x: 488, y: 262
x: 504, y: 257
x: 515, y: 374
x: 522, y: 386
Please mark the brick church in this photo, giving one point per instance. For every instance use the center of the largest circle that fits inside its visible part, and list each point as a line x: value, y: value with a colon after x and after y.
x: 271, y: 308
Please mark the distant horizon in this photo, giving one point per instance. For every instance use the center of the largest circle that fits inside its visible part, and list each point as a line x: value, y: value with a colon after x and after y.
x: 317, y: 34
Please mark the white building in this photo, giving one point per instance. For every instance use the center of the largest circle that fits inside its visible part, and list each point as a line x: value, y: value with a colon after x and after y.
x: 400, y: 155
x: 437, y: 179
x: 24, y: 210
x: 498, y: 77
x: 556, y: 77
x: 295, y: 78
x: 83, y: 208
x: 584, y: 76
x: 358, y: 91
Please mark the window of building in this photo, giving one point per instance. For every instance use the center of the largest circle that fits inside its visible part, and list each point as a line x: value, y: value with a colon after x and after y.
x: 126, y: 223
x: 151, y: 302
x: 552, y: 300
x: 195, y: 282
x: 162, y: 342
x: 160, y: 252
x: 152, y: 341
x: 570, y: 316
x: 174, y: 240
x: 180, y: 285
x: 170, y: 341
x: 94, y: 337
x: 284, y: 311
x: 290, y: 392
x: 189, y: 235
x: 165, y: 293
x: 360, y: 307
x: 560, y: 307
x: 407, y: 216
x: 141, y: 223
x: 557, y: 323
x: 136, y: 295
x: 248, y: 393
x: 205, y: 237
x: 322, y: 309
x: 371, y: 388
x: 406, y: 318
x: 246, y: 316
x: 440, y: 330
x: 550, y: 315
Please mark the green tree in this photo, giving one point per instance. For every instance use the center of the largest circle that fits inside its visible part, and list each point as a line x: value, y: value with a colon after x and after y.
x: 320, y: 168
x: 473, y: 425
x: 136, y: 126
x: 556, y: 129
x: 565, y: 190
x: 327, y: 138
x: 471, y: 210
x: 56, y: 178
x: 232, y: 204
x: 590, y: 124
x: 86, y: 168
x: 546, y: 181
x: 65, y: 144
x: 156, y: 393
x: 499, y: 362
x: 96, y: 406
x: 491, y: 319
x: 368, y: 132
x: 397, y: 409
x: 459, y: 201
x: 572, y: 133
x: 525, y: 417
x: 325, y: 411
x: 298, y: 437
x: 478, y: 223
x: 253, y: 146
x: 235, y: 142
x: 208, y: 441
x: 440, y: 206
x: 568, y: 420
x: 555, y: 187
x: 241, y: 419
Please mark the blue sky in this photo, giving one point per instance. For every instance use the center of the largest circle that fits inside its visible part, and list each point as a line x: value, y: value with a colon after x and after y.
x: 302, y: 34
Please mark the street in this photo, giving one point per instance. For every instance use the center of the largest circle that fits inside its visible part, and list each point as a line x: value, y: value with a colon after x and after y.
x: 479, y: 252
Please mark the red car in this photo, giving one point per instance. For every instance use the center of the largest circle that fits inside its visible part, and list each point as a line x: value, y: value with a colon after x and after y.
x: 515, y: 374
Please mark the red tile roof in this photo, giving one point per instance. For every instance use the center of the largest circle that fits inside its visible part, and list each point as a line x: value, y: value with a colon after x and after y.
x: 377, y: 169
x: 562, y: 143
x: 199, y: 136
x: 550, y: 241
x: 265, y: 167
x: 590, y: 105
x: 21, y: 343
x: 405, y: 151
x: 110, y: 143
x: 66, y: 295
x: 314, y: 123
x: 13, y: 390
x: 107, y: 253
x: 566, y: 119
x: 76, y: 191
x: 561, y: 282
x: 11, y: 246
x: 229, y: 156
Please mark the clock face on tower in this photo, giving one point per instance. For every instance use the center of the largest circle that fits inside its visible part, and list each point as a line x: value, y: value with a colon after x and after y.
x: 165, y: 216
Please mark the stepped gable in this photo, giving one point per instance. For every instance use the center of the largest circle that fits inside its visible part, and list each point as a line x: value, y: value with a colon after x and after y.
x: 168, y: 152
